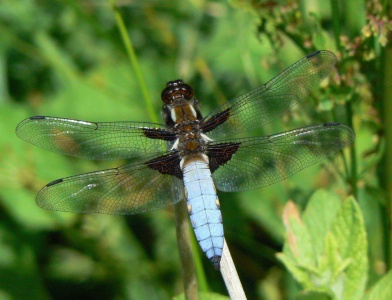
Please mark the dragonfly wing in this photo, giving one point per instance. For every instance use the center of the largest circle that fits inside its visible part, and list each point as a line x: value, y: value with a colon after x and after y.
x: 264, y: 103
x: 266, y: 160
x: 94, y: 140
x: 130, y: 189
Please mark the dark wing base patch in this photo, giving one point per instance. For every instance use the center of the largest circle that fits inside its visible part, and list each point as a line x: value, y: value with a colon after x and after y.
x: 159, y: 134
x: 219, y: 154
x: 167, y: 164
x: 216, y: 120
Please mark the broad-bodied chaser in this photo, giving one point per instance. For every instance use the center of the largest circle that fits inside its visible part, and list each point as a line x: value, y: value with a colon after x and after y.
x: 190, y: 155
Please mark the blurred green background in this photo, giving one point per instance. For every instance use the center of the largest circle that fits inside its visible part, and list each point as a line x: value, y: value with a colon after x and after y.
x: 67, y: 59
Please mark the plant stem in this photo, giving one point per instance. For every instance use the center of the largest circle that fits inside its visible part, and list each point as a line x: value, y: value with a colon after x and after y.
x: 336, y: 23
x: 181, y: 214
x: 386, y: 110
x: 230, y: 276
x: 185, y: 250
x: 353, y: 154
x: 134, y: 61
x: 202, y: 281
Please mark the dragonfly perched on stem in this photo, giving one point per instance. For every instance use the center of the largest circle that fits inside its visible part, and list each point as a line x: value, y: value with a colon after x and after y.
x: 189, y: 156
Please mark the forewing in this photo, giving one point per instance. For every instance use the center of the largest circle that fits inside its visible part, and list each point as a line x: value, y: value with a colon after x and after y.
x: 264, y: 103
x: 94, y: 140
x: 130, y: 189
x: 266, y: 160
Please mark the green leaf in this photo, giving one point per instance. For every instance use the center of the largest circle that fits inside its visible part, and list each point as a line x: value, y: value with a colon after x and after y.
x: 326, y: 250
x: 382, y: 289
x: 315, y: 294
x: 318, y: 216
x: 298, y: 251
x: 298, y: 273
x: 349, y: 231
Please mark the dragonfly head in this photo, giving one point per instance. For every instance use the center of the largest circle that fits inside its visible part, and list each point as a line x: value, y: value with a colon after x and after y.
x: 176, y: 90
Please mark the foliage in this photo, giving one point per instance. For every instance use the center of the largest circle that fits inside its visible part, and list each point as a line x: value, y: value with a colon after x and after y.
x: 67, y: 58
x: 326, y: 250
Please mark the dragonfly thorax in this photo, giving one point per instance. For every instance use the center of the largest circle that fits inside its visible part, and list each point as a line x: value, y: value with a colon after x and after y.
x: 180, y: 105
x: 181, y: 112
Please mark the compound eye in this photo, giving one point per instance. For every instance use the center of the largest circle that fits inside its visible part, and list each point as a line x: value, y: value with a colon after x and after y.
x: 187, y: 91
x: 176, y: 82
x: 166, y: 95
x: 176, y: 89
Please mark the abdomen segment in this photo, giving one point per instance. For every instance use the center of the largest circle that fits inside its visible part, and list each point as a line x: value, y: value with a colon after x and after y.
x: 203, y: 207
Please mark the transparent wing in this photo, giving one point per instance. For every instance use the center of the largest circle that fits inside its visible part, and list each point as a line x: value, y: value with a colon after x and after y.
x: 266, y: 160
x: 264, y: 103
x: 130, y: 189
x: 93, y: 140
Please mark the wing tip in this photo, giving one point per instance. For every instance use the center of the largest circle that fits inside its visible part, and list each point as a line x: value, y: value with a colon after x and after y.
x: 332, y: 124
x: 18, y: 129
x: 347, y: 130
x: 37, y: 118
x: 330, y: 53
x: 57, y: 181
x: 313, y: 54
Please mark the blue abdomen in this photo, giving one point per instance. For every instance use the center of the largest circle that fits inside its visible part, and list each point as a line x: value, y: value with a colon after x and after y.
x: 203, y: 208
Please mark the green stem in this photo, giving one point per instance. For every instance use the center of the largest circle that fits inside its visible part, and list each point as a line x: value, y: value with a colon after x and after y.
x: 386, y: 109
x: 337, y: 32
x: 353, y: 152
x: 201, y: 276
x: 185, y: 249
x: 134, y: 61
x: 336, y: 23
x: 181, y: 215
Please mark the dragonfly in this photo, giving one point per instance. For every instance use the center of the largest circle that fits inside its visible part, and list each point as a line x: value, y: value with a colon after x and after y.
x: 189, y: 156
